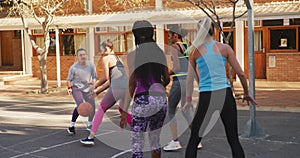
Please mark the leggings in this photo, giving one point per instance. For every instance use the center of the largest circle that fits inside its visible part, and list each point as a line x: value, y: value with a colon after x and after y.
x: 177, y: 93
x: 148, y: 113
x: 209, y: 102
x: 79, y: 97
x: 109, y: 99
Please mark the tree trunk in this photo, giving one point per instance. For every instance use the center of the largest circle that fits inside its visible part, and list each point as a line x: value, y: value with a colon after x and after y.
x: 43, y: 60
x: 43, y: 70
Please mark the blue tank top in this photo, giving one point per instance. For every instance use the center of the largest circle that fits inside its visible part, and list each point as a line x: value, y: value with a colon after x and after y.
x: 212, y: 69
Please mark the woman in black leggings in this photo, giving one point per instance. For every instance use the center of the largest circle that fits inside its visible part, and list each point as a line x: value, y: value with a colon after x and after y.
x: 215, y: 95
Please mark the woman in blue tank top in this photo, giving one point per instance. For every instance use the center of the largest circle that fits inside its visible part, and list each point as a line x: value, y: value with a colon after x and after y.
x: 215, y: 94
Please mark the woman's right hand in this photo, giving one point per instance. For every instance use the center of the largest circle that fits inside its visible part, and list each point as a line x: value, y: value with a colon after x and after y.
x: 123, y: 119
x: 188, y: 107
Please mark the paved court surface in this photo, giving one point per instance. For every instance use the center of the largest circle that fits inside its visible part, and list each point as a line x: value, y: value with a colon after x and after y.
x: 34, y: 126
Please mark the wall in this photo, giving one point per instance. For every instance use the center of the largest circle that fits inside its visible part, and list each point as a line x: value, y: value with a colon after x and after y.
x: 285, y: 68
x: 65, y: 64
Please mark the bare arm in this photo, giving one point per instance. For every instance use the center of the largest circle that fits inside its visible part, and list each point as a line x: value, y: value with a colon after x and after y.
x: 242, y: 76
x: 175, y: 60
x: 127, y: 98
x: 191, y: 75
x: 104, y: 79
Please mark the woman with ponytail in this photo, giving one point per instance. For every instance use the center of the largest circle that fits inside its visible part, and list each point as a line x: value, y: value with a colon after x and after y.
x: 215, y: 94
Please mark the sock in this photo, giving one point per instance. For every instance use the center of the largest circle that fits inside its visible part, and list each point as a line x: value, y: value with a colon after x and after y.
x: 72, y: 124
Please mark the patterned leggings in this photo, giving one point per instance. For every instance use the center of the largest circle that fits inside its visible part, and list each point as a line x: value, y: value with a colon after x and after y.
x: 148, y: 113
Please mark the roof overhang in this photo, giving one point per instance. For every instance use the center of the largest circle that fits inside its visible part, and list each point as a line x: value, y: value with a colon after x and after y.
x: 283, y: 10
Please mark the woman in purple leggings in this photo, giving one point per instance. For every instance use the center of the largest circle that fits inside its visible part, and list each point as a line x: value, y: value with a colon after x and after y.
x: 148, y: 78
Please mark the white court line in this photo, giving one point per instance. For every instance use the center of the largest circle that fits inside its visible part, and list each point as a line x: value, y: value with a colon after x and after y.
x: 54, y: 146
x: 121, y: 153
x: 42, y: 149
x: 113, y: 116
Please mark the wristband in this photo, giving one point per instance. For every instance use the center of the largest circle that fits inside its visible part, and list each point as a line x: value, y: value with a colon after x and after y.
x: 69, y: 90
x: 188, y: 99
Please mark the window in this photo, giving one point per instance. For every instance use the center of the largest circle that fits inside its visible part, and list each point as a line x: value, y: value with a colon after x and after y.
x: 70, y: 41
x: 116, y: 29
x: 68, y: 45
x: 130, y: 41
x: 230, y: 41
x: 41, y: 43
x: 283, y: 39
x: 228, y: 24
x: 257, y: 23
x: 258, y: 37
x: 52, y: 46
x: 295, y: 21
x: 38, y: 32
x: 117, y: 39
x: 17, y: 34
x: 81, y: 30
x: 273, y: 22
x: 67, y: 40
x: 101, y: 29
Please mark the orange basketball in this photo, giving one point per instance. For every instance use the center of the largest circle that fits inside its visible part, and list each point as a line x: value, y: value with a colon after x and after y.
x: 85, y: 109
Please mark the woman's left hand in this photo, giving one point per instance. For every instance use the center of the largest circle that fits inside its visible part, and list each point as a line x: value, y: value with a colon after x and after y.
x: 248, y: 98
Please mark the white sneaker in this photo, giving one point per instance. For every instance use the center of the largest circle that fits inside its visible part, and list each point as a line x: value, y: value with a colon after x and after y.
x: 172, y: 146
x: 200, y: 146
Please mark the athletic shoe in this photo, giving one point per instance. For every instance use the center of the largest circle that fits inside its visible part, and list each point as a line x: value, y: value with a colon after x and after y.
x: 71, y: 130
x: 89, y: 127
x: 200, y: 146
x: 87, y: 141
x: 172, y: 146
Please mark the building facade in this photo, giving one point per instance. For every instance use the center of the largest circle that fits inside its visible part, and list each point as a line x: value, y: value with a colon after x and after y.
x: 276, y: 35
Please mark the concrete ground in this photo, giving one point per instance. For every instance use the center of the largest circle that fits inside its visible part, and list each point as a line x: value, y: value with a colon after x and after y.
x: 34, y: 125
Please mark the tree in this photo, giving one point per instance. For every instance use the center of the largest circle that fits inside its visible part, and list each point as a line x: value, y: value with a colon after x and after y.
x: 209, y: 8
x: 43, y: 11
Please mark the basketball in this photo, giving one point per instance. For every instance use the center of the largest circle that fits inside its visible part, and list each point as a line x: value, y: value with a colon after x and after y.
x: 85, y: 109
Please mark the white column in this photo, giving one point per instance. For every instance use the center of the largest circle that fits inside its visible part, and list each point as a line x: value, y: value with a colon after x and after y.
x: 160, y: 36
x: 90, y: 6
x: 27, y: 54
x: 90, y: 43
x: 58, y: 78
x: 158, y: 4
x: 23, y: 52
x: 239, y: 34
